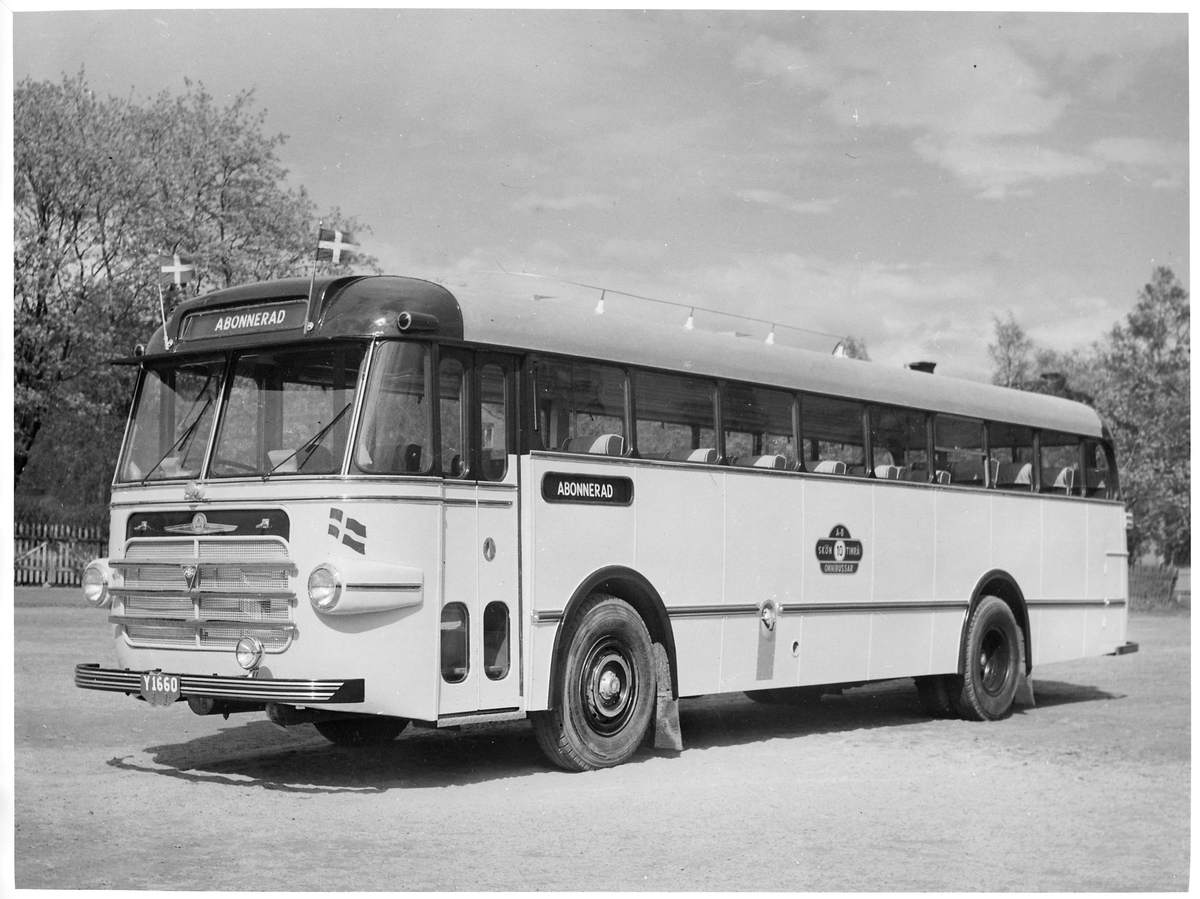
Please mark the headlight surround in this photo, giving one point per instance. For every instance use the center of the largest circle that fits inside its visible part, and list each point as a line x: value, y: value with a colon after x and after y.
x: 324, y: 587
x: 95, y: 585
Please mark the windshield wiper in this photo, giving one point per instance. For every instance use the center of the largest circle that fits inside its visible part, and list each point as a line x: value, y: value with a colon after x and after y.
x: 311, y: 443
x: 182, y: 438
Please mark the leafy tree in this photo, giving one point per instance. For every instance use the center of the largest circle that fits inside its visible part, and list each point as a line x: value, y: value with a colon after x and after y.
x: 1010, y: 353
x: 1145, y: 396
x: 855, y: 348
x: 101, y: 187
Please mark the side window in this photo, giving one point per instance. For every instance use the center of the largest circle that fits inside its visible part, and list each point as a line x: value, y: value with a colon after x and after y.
x: 676, y: 417
x: 1011, y: 451
x: 495, y: 641
x: 899, y: 449
x: 1100, y: 476
x: 758, y: 427
x: 493, y: 414
x: 958, y: 451
x: 452, y: 416
x: 833, y: 436
x: 1060, y: 463
x: 581, y: 407
x: 456, y: 645
x: 396, y: 433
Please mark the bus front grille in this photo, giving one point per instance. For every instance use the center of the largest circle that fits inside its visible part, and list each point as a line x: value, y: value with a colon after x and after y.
x: 205, y: 593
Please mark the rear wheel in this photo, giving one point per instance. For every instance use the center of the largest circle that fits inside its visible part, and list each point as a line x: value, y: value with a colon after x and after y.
x: 991, y: 663
x: 608, y: 688
x: 361, y: 732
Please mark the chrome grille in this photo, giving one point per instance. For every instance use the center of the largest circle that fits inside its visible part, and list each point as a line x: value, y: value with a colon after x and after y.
x: 241, y: 587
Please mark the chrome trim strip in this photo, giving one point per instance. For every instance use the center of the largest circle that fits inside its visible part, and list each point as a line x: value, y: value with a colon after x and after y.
x: 183, y: 593
x: 347, y: 690
x: 287, y: 566
x: 241, y: 623
x: 542, y: 615
x: 385, y: 588
x: 1076, y: 603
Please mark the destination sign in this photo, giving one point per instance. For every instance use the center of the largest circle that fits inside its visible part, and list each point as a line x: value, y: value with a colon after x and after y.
x: 838, y: 554
x: 265, y: 319
x: 590, y: 489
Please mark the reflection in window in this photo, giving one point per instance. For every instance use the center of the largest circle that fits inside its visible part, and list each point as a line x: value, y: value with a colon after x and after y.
x: 395, y: 434
x: 452, y: 412
x: 899, y: 444
x: 495, y: 641
x: 758, y: 427
x: 676, y: 418
x: 1060, y: 463
x: 172, y: 422
x: 958, y: 450
x: 456, y: 644
x: 581, y: 407
x: 1011, y: 450
x: 833, y: 436
x: 493, y: 444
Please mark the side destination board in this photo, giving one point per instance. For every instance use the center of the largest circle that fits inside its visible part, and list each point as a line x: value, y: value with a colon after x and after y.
x: 264, y: 319
x: 591, y: 489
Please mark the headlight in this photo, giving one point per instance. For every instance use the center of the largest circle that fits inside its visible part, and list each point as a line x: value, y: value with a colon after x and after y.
x: 324, y: 587
x: 249, y: 652
x: 95, y: 585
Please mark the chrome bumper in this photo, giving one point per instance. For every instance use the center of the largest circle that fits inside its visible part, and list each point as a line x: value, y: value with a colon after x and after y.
x: 245, y: 689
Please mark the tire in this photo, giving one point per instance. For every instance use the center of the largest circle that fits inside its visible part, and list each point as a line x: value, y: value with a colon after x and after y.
x: 358, y: 733
x: 991, y: 663
x: 608, y: 688
x: 790, y: 696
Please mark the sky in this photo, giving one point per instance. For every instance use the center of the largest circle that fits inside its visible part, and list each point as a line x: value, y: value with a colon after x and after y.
x: 898, y: 177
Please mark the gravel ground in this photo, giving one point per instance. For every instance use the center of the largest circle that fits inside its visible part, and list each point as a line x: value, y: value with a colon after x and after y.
x: 1089, y: 790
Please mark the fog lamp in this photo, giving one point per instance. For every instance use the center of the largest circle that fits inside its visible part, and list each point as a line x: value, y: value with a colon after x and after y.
x: 95, y: 585
x: 324, y: 587
x: 249, y: 652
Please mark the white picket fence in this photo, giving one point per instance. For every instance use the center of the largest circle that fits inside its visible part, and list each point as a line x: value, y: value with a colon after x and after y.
x: 55, y: 554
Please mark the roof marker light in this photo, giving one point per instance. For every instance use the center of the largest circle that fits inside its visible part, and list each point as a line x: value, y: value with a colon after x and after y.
x: 600, y: 305
x: 691, y: 322
x: 771, y: 337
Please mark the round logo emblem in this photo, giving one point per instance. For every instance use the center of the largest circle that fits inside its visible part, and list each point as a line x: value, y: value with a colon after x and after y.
x: 199, y: 522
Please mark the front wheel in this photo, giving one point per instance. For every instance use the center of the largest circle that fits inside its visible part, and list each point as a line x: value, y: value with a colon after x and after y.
x: 608, y: 688
x: 991, y: 663
x: 358, y: 733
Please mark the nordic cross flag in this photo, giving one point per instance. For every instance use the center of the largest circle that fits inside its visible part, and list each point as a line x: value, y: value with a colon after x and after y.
x: 176, y: 269
x: 335, y: 246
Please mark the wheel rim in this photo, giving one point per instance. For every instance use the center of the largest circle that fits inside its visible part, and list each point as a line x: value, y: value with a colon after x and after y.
x: 994, y: 661
x: 608, y: 687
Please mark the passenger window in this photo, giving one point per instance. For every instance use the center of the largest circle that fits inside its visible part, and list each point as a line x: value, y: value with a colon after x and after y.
x: 899, y: 447
x: 493, y: 391
x: 833, y: 436
x: 676, y: 418
x: 452, y: 415
x: 958, y: 451
x: 1011, y: 451
x: 758, y: 428
x: 581, y: 407
x: 495, y: 641
x: 1060, y: 463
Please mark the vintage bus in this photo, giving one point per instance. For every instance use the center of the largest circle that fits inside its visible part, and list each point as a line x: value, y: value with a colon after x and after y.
x: 371, y: 501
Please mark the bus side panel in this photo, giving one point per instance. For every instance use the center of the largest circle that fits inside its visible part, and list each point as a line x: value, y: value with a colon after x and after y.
x: 1108, y: 567
x: 902, y: 640
x: 763, y: 561
x: 1059, y: 631
x: 569, y: 541
x: 835, y: 645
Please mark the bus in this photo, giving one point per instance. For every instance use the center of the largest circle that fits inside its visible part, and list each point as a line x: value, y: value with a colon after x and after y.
x: 369, y: 501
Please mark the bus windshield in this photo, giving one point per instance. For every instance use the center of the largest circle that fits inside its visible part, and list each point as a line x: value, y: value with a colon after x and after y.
x: 284, y: 412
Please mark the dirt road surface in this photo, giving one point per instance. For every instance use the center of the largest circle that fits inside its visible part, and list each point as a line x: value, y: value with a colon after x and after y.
x: 1089, y: 790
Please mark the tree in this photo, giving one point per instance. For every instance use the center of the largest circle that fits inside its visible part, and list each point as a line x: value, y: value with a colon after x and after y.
x: 855, y: 348
x: 1145, y: 396
x: 101, y: 187
x: 1010, y: 353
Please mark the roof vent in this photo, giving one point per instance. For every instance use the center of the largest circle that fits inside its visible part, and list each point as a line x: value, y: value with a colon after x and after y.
x: 926, y: 367
x: 416, y: 321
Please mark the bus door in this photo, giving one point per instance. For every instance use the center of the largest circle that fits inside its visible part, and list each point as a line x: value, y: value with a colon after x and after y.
x: 479, y: 615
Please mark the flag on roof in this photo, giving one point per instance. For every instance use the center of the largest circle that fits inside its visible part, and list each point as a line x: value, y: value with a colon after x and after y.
x: 176, y: 269
x: 335, y: 246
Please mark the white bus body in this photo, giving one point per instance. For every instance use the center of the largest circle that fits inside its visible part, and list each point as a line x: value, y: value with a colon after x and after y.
x: 464, y: 578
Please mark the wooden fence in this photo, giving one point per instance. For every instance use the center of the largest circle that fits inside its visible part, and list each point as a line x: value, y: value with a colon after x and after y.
x: 1153, y: 587
x: 55, y: 554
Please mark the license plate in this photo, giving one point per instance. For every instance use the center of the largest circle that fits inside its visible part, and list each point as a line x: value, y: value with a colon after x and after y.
x: 160, y: 689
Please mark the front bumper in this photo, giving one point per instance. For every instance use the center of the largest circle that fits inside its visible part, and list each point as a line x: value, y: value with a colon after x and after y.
x: 242, y: 689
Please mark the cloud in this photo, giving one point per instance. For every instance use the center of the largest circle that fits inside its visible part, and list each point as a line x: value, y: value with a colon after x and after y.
x: 995, y: 168
x: 541, y: 203
x: 779, y: 200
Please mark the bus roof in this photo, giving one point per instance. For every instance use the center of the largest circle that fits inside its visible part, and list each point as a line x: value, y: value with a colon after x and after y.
x: 546, y: 315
